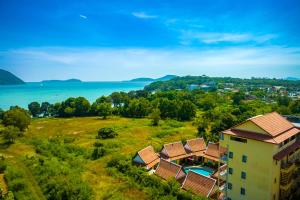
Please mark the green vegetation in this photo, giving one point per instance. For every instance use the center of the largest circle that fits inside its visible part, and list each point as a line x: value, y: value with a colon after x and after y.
x: 106, y: 132
x: 154, y: 186
x: 61, y: 158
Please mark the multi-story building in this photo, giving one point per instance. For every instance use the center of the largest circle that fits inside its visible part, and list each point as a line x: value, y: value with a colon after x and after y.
x: 262, y: 157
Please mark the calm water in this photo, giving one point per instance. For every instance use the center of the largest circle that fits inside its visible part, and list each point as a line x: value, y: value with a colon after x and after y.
x: 199, y: 170
x: 22, y: 95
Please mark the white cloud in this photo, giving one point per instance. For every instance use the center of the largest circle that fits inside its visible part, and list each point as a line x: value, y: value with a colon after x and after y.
x: 188, y: 37
x: 121, y: 64
x: 83, y: 16
x: 143, y: 15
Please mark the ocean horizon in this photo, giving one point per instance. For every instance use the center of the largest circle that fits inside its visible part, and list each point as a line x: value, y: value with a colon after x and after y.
x: 52, y: 92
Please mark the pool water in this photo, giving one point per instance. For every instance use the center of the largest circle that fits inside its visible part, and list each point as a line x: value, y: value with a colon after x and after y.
x: 199, y: 170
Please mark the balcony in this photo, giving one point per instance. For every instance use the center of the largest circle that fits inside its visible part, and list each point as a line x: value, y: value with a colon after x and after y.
x: 286, y: 174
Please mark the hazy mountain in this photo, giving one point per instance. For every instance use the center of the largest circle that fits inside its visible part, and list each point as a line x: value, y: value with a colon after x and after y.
x: 73, y: 80
x: 292, y: 78
x: 145, y: 79
x: 7, y: 78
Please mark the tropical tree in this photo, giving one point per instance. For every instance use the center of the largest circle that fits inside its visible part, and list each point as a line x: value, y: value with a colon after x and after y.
x: 34, y: 108
x: 17, y: 117
x: 155, y: 116
x: 10, y: 133
x: 45, y: 109
x: 104, y: 110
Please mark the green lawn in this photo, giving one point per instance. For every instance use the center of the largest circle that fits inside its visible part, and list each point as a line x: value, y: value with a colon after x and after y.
x: 133, y: 135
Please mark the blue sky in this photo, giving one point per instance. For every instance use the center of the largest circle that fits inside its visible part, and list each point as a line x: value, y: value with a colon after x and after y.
x: 119, y: 40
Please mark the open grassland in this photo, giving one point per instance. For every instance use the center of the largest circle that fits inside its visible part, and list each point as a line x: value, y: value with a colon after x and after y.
x: 133, y: 135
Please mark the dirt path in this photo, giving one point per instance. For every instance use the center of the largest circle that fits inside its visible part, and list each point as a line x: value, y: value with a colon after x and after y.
x: 3, y: 185
x: 32, y: 185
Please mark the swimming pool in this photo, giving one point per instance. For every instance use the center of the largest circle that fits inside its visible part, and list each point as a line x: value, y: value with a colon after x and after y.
x: 199, y: 170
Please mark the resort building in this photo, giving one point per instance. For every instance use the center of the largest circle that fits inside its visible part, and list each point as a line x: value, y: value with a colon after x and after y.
x: 167, y: 170
x: 147, y: 157
x: 213, y: 152
x: 262, y: 156
x: 174, y: 152
x: 195, y: 147
x: 199, y: 184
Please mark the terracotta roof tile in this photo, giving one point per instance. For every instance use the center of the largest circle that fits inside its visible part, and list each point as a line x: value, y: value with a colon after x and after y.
x: 199, y: 184
x: 196, y: 145
x: 212, y: 150
x: 273, y: 123
x: 174, y: 149
x: 166, y: 169
x: 261, y: 137
x: 148, y: 155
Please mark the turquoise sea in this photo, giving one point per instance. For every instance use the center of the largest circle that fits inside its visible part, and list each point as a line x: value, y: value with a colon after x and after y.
x: 53, y: 92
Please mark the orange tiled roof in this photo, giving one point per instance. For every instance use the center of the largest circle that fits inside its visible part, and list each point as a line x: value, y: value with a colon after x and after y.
x: 196, y: 145
x: 261, y: 137
x: 166, y: 169
x: 283, y: 153
x: 273, y: 123
x: 278, y: 128
x: 212, y: 150
x: 199, y: 184
x: 175, y: 149
x: 148, y: 155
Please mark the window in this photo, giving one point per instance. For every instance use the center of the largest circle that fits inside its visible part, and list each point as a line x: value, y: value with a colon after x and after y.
x: 229, y: 185
x: 238, y: 139
x: 230, y: 170
x: 243, y: 175
x: 230, y: 154
x: 221, y: 136
x: 244, y: 158
x: 293, y: 137
x: 243, y: 191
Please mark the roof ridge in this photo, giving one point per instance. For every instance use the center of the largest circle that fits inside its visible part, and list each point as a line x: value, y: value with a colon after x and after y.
x: 145, y: 148
x: 267, y: 114
x: 174, y: 143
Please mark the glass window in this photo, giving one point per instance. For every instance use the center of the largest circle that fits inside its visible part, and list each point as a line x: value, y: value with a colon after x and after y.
x: 229, y: 186
x: 230, y: 154
x: 238, y: 139
x: 243, y: 175
x: 230, y: 170
x: 243, y: 191
x: 222, y: 136
x: 244, y: 158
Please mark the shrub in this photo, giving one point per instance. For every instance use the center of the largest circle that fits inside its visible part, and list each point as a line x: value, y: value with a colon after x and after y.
x: 105, y: 133
x: 98, y: 152
x: 3, y: 166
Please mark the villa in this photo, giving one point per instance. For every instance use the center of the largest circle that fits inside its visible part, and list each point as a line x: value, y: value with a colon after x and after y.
x: 147, y: 158
x: 199, y: 184
x: 174, y: 152
x: 196, y: 147
x: 167, y: 170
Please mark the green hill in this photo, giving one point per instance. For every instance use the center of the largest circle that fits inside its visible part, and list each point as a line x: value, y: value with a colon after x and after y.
x: 7, y: 78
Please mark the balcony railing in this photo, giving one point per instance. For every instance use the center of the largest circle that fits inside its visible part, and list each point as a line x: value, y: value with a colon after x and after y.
x: 286, y: 173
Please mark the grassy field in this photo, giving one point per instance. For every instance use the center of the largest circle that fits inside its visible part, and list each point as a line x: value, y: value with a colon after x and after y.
x: 133, y: 135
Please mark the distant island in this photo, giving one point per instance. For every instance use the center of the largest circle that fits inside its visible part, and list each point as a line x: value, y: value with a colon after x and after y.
x: 7, y: 78
x: 292, y: 79
x: 145, y: 79
x: 73, y: 80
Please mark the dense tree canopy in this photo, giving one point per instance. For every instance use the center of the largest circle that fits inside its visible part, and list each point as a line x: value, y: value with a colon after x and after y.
x: 17, y: 117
